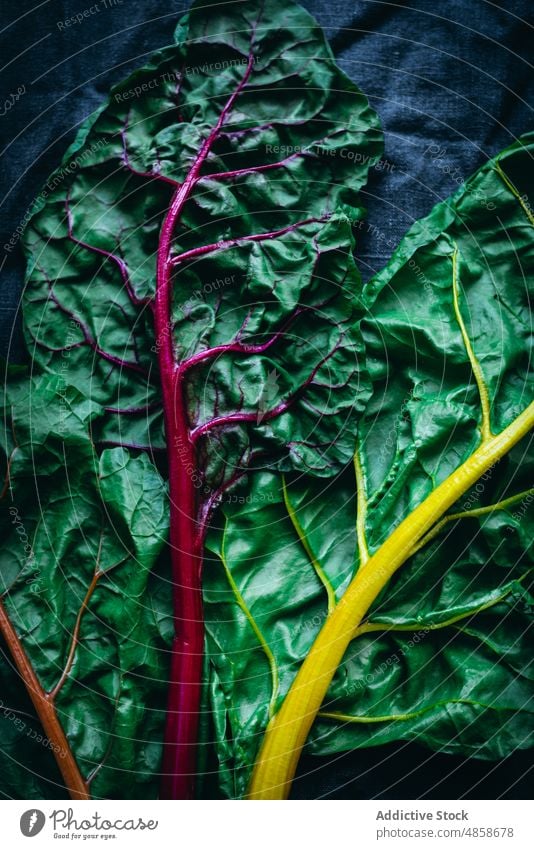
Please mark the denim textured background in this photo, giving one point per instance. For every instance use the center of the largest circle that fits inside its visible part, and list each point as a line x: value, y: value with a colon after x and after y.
x: 452, y: 84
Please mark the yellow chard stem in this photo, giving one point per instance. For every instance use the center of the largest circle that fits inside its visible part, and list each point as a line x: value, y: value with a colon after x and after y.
x: 289, y: 728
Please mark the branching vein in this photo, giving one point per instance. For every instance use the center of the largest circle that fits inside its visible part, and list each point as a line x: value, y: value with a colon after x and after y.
x: 485, y: 427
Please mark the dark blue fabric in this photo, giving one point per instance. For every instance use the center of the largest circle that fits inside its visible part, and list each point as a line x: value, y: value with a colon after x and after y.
x: 452, y: 84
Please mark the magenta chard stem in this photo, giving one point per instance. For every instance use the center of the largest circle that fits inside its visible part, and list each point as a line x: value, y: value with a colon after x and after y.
x: 179, y: 761
x: 179, y: 758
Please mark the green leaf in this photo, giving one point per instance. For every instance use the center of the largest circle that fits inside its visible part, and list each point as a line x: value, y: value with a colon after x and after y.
x: 189, y: 309
x: 29, y: 770
x: 293, y: 148
x: 442, y: 655
x: 82, y: 580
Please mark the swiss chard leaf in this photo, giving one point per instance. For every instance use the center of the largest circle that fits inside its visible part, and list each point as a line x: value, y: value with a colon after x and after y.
x: 82, y: 536
x: 442, y: 654
x: 190, y: 280
x: 254, y: 252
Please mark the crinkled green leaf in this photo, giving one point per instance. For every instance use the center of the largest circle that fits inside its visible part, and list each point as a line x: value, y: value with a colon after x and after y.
x: 294, y: 148
x: 443, y: 657
x: 69, y: 514
x: 270, y: 142
x: 29, y: 770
